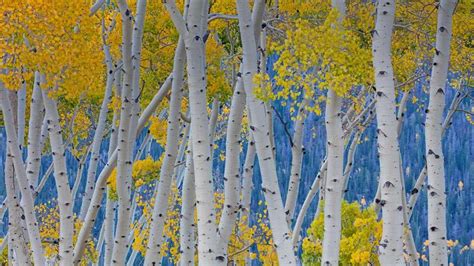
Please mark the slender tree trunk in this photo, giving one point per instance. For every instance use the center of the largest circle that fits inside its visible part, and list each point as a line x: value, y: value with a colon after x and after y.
x: 26, y: 192
x: 195, y: 58
x: 433, y: 130
x: 260, y: 131
x: 187, y: 232
x: 33, y: 161
x: 247, y: 179
x: 334, y: 178
x: 21, y: 108
x: 66, y: 225
x: 334, y: 181
x: 297, y: 151
x: 101, y: 182
x: 16, y: 243
x: 391, y: 245
x: 124, y: 179
x: 315, y: 187
x: 232, y: 169
x: 98, y: 135
x: 164, y: 184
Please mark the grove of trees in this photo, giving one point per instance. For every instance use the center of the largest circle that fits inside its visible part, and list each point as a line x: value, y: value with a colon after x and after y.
x: 140, y: 132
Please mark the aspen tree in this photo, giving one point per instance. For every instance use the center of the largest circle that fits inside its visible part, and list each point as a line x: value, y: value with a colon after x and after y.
x: 21, y: 176
x: 391, y: 244
x: 433, y: 130
x: 192, y: 30
x: 260, y: 131
x: 171, y: 150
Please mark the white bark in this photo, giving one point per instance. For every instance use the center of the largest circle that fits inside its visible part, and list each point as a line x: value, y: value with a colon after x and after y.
x: 315, y: 187
x: 27, y: 198
x: 98, y: 134
x: 334, y: 181
x: 166, y: 173
x: 195, y: 57
x: 101, y: 182
x: 438, y: 250
x: 66, y: 224
x: 247, y: 179
x: 296, y: 163
x: 33, y: 160
x: 232, y: 169
x: 124, y: 179
x: 187, y: 226
x: 260, y: 130
x: 21, y: 108
x: 335, y: 157
x: 17, y: 246
x: 110, y: 205
x: 391, y: 244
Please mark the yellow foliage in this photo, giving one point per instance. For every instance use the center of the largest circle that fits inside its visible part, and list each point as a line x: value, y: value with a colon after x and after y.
x: 318, y: 52
x: 143, y: 172
x: 361, y: 233
x: 48, y: 219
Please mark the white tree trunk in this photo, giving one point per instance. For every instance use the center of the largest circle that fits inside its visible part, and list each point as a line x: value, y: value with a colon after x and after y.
x: 21, y: 96
x: 334, y: 181
x: 101, y: 182
x: 315, y: 187
x: 26, y: 192
x: 247, y: 179
x: 195, y: 58
x: 33, y: 160
x: 166, y: 173
x: 296, y: 161
x: 232, y: 169
x: 433, y: 130
x: 124, y: 160
x: 187, y: 226
x: 391, y: 244
x: 16, y: 244
x: 98, y: 134
x: 334, y: 178
x: 66, y: 225
x: 260, y: 131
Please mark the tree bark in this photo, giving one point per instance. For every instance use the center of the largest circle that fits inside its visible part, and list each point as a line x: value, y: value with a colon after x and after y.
x: 66, y: 218
x: 391, y: 245
x: 98, y: 134
x: 26, y: 192
x: 101, y: 182
x: 260, y: 131
x: 187, y: 232
x: 232, y: 169
x: 164, y: 184
x: 438, y: 250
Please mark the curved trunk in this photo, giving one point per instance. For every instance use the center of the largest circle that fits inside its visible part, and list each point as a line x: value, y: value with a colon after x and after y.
x: 260, y: 131
x: 16, y: 244
x: 166, y: 173
x: 307, y: 202
x: 297, y: 151
x: 186, y: 231
x: 247, y: 179
x: 105, y: 173
x: 98, y: 135
x: 66, y: 224
x: 433, y: 130
x: 232, y: 169
x: 391, y: 244
x: 124, y: 160
x: 27, y: 202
